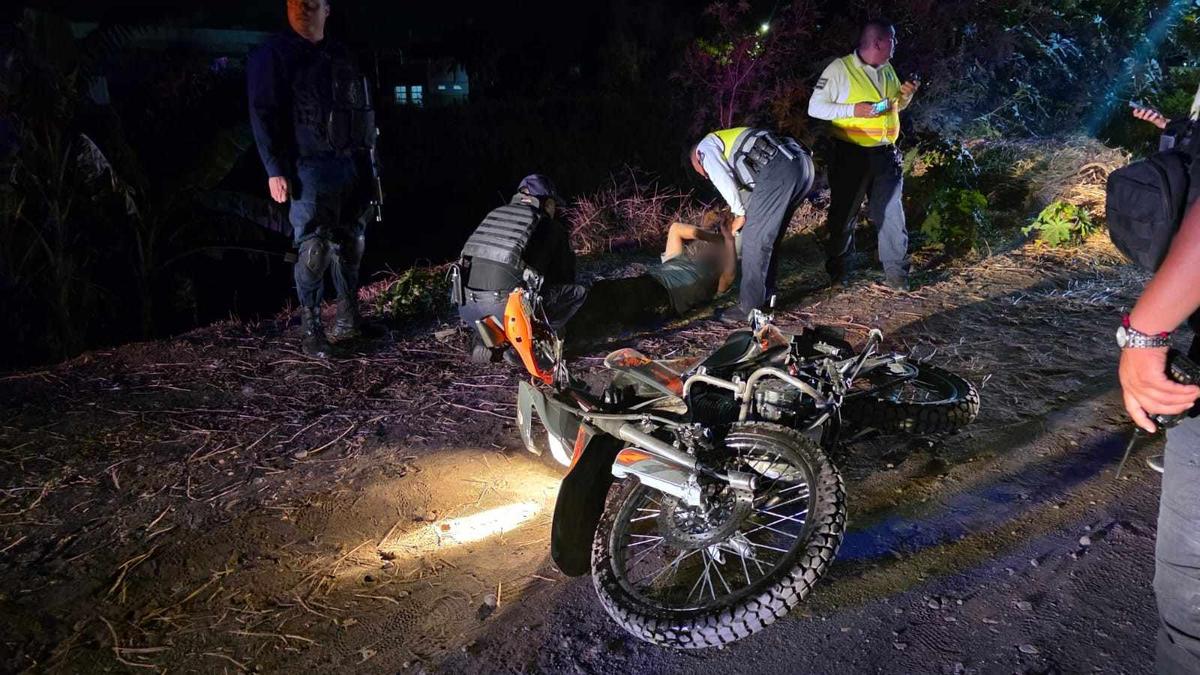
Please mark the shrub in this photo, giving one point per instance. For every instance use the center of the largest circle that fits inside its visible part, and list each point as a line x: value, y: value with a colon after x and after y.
x: 955, y: 217
x: 416, y: 292
x: 1062, y: 224
x: 943, y: 179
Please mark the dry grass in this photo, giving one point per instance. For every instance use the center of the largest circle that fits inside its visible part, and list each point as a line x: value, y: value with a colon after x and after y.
x: 1074, y: 170
x: 633, y: 211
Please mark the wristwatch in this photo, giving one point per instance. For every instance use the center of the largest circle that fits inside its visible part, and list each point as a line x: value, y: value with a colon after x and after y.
x: 1129, y: 337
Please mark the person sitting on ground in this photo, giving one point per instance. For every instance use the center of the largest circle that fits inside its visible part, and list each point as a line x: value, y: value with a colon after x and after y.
x: 519, y: 236
x: 698, y: 263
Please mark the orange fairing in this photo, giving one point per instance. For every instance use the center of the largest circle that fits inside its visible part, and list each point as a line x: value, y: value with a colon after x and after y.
x: 519, y: 329
x: 630, y: 456
x: 770, y: 337
x: 635, y: 363
x: 581, y: 439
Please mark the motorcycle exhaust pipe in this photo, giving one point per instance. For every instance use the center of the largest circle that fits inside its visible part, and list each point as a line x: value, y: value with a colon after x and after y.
x: 656, y: 474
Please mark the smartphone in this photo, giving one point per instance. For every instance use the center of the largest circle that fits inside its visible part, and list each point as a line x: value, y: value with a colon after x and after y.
x: 1137, y: 104
x: 881, y: 107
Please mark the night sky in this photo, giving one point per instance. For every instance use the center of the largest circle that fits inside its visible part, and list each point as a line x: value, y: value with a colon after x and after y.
x: 541, y: 37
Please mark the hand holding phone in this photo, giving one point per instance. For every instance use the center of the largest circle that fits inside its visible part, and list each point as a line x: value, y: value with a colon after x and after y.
x: 1147, y: 114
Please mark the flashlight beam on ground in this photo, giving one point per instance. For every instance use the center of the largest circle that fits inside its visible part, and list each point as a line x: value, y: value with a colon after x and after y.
x: 464, y: 530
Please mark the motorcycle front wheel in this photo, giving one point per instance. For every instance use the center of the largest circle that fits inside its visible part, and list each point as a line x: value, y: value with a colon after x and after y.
x: 695, y: 577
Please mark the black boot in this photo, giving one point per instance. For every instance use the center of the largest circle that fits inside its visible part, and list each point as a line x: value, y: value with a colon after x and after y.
x: 348, y: 324
x: 314, y: 342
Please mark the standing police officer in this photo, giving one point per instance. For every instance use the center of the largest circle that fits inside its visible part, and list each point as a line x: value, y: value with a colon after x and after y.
x: 315, y: 129
x: 862, y: 97
x: 763, y: 178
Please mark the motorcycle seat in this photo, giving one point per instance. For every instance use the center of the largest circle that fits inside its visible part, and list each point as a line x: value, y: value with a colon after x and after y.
x: 738, y: 346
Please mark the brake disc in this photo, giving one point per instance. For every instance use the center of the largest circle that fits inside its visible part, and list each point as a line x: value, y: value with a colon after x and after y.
x: 716, y: 520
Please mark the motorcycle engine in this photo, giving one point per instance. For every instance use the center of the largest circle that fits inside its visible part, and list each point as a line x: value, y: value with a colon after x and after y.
x: 776, y: 401
x: 712, y: 407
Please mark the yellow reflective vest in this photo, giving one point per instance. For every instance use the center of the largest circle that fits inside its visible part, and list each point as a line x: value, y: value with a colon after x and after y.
x: 870, y: 131
x: 729, y: 138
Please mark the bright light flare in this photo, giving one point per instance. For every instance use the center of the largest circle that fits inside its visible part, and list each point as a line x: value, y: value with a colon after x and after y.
x: 762, y: 29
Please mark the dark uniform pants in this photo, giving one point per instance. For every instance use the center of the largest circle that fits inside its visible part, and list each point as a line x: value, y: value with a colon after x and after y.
x: 877, y: 173
x: 560, y: 301
x: 1177, y: 553
x: 778, y: 190
x: 328, y: 213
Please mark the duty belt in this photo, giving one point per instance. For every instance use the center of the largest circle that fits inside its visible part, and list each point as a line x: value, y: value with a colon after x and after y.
x: 767, y: 146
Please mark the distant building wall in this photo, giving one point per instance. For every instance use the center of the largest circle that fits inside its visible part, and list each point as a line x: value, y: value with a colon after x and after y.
x: 424, y: 83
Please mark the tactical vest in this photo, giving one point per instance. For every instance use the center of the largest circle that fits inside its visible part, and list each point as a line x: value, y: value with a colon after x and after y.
x: 333, y: 100
x: 747, y: 150
x: 870, y: 131
x: 351, y: 124
x: 503, y: 235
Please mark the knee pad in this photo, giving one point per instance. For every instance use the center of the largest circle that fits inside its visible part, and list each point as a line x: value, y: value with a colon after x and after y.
x: 314, y: 254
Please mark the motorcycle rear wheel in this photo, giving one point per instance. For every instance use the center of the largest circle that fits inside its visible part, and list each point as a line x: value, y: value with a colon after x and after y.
x: 933, y: 401
x: 756, y: 566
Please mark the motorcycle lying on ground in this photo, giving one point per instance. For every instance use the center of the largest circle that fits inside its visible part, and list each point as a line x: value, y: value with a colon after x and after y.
x: 727, y: 509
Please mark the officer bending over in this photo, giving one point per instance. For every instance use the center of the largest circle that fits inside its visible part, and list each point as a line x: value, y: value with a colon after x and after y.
x: 314, y: 128
x: 519, y: 236
x: 763, y: 178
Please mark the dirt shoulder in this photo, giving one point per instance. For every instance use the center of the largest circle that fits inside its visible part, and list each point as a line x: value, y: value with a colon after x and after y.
x: 221, y: 503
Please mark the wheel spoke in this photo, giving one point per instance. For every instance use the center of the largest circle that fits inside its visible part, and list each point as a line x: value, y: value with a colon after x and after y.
x: 644, y: 539
x: 744, y: 568
x: 797, y: 486
x: 768, y: 527
x: 699, y: 579
x: 717, y: 569
x: 790, y: 501
x: 674, y: 564
x: 770, y: 548
x: 708, y: 564
x: 794, y: 517
x: 643, y: 554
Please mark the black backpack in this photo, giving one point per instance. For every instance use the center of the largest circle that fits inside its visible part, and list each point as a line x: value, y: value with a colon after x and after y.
x: 1145, y: 201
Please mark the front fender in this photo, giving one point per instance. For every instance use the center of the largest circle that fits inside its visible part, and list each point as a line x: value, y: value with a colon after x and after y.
x: 560, y: 419
x: 529, y: 399
x: 581, y: 499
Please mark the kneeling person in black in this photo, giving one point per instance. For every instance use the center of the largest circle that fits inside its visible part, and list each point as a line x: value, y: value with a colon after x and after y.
x: 523, y: 234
